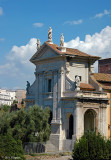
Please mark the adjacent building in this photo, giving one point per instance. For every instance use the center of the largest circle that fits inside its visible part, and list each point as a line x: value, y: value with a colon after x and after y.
x: 7, y: 96
x: 20, y: 95
x: 104, y: 66
x: 102, y: 81
x: 65, y: 81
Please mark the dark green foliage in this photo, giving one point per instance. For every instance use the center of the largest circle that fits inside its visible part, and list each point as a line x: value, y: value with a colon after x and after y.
x: 81, y: 150
x: 92, y: 147
x: 24, y: 125
x: 15, y: 102
x: 4, y: 108
x: 10, y: 148
x: 108, y: 143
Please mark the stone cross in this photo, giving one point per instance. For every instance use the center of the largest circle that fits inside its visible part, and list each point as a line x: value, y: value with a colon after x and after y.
x: 62, y: 40
x: 50, y: 34
x: 38, y: 44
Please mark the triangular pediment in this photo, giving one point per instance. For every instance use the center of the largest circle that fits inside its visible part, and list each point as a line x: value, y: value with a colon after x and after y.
x: 48, y: 53
x: 44, y: 52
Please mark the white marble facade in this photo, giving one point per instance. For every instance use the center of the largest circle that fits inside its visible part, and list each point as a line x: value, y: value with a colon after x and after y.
x: 71, y: 107
x: 7, y: 97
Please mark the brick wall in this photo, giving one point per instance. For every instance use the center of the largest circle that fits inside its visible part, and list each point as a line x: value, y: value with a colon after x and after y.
x: 104, y: 66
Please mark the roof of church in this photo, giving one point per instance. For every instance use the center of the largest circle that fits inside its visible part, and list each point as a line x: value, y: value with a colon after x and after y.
x: 70, y: 51
x: 85, y: 86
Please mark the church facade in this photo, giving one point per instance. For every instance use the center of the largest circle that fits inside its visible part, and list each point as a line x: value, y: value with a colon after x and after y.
x: 64, y: 82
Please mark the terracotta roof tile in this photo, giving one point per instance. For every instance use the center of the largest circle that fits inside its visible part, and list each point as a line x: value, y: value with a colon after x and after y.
x: 77, y: 52
x: 85, y: 86
x: 102, y: 77
x: 70, y: 51
x: 106, y: 87
x: 103, y: 80
x: 55, y: 47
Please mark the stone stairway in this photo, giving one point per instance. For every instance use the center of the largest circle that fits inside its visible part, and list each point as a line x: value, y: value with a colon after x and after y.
x: 49, y: 147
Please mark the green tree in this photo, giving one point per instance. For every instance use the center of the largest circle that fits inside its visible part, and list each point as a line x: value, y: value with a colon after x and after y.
x: 10, y: 148
x: 28, y: 126
x: 91, y: 147
x: 37, y: 123
x: 5, y: 108
x: 15, y: 101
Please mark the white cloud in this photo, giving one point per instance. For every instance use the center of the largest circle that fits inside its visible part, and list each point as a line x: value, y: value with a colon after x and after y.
x: 74, y: 22
x: 38, y: 25
x: 18, y: 69
x: 98, y: 44
x: 100, y: 15
x: 1, y: 11
x: 23, y: 53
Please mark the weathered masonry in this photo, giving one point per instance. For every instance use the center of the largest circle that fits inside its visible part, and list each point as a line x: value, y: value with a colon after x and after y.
x: 64, y: 82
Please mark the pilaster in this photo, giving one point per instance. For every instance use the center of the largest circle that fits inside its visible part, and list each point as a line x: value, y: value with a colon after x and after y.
x: 40, y: 88
x: 78, y: 121
x: 56, y: 125
x: 102, y: 122
x: 54, y: 96
x: 37, y: 89
x: 60, y: 74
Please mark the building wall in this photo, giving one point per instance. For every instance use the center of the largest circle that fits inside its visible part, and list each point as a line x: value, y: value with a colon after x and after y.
x: 104, y: 66
x: 109, y: 114
x: 20, y: 95
x: 44, y: 72
x: 64, y: 72
x: 79, y: 68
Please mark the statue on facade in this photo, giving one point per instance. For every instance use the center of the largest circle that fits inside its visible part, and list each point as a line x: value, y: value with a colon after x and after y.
x: 62, y: 40
x: 38, y: 44
x: 27, y: 88
x: 67, y: 67
x: 50, y: 34
x: 77, y: 80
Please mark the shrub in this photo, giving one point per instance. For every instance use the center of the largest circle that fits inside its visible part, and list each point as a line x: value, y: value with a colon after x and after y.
x: 10, y: 148
x: 92, y: 147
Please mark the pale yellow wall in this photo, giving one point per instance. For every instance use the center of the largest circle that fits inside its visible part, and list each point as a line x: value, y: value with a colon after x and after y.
x: 109, y: 115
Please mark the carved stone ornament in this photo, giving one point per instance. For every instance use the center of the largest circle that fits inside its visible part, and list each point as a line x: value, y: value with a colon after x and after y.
x: 67, y: 67
x: 38, y: 44
x: 50, y: 35
x: 62, y: 40
x: 77, y: 80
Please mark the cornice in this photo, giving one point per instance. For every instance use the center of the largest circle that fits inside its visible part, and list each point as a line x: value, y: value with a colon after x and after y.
x: 47, y: 60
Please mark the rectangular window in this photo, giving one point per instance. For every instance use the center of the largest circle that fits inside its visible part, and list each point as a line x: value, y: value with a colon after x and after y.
x: 49, y: 85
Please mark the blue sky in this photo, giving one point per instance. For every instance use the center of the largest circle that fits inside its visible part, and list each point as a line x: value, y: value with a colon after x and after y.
x: 86, y: 25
